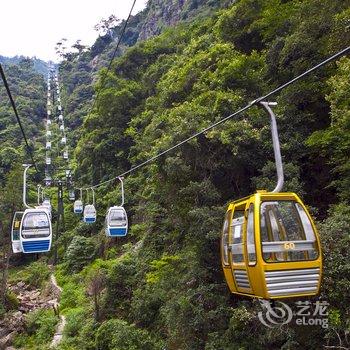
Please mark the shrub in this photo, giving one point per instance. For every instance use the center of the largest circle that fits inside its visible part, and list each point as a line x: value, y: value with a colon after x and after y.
x: 38, y: 273
x: 85, y: 339
x: 2, y: 310
x: 79, y: 331
x: 80, y: 252
x: 116, y: 334
x: 75, y: 319
x: 119, y: 284
x: 40, y: 329
x: 72, y: 296
x: 12, y: 302
x: 34, y: 274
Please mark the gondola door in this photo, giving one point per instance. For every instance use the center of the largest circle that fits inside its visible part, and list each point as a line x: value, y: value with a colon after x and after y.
x: 237, y: 248
x: 15, y: 233
x: 252, y: 241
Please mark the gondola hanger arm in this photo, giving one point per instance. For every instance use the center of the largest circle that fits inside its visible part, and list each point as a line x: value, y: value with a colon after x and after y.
x: 26, y: 167
x: 120, y: 178
x: 276, y: 145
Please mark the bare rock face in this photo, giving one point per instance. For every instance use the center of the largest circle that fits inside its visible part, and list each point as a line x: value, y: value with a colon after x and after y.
x: 13, y: 323
x: 7, y: 340
x: 29, y: 300
x: 20, y: 285
x: 161, y: 13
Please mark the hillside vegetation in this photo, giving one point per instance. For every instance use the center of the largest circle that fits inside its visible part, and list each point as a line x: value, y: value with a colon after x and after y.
x: 162, y: 286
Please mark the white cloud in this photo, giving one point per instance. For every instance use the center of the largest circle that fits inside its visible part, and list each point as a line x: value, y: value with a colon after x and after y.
x: 33, y: 27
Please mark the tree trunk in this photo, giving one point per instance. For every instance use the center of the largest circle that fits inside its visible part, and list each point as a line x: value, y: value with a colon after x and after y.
x: 5, y: 260
x: 97, y: 307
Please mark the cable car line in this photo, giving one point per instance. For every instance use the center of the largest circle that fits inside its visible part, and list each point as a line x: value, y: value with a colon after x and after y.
x: 203, y: 131
x: 113, y: 57
x: 3, y: 76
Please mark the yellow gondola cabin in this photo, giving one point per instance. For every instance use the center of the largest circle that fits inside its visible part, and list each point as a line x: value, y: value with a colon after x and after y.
x: 270, y: 247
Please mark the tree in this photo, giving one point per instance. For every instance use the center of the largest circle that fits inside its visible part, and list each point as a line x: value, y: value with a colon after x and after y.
x: 78, y: 46
x: 96, y: 283
x: 80, y: 252
x: 61, y: 49
x: 104, y: 26
x: 10, y: 201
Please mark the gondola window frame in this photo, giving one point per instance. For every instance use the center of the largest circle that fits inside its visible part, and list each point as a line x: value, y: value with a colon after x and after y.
x: 285, y: 253
x: 250, y: 238
x: 237, y: 240
x: 225, y: 243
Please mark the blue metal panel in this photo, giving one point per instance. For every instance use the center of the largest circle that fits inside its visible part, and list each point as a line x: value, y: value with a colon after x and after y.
x: 36, y: 246
x: 89, y: 220
x: 115, y: 232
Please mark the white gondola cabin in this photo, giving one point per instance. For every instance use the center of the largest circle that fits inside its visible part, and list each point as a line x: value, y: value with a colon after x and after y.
x: 63, y: 140
x: 47, y: 204
x: 36, y: 231
x: 78, y: 206
x: 65, y: 154
x: 43, y: 207
x: 116, y: 222
x: 89, y: 214
x: 60, y: 118
x: 48, y: 160
x: 48, y: 133
x: 48, y: 145
x: 48, y: 180
x: 71, y: 195
x: 62, y: 127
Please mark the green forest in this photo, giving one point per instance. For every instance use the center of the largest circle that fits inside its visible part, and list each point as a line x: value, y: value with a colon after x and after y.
x: 162, y: 286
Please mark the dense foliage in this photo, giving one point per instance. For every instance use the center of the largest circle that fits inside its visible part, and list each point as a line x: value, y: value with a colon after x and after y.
x: 39, y: 332
x: 28, y: 91
x: 167, y: 278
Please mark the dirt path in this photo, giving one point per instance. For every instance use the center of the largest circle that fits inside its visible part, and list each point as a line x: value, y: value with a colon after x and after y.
x: 59, y: 332
x: 61, y: 324
x: 54, y: 283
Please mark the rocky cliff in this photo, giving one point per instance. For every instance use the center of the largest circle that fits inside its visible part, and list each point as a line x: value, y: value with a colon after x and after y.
x: 160, y: 14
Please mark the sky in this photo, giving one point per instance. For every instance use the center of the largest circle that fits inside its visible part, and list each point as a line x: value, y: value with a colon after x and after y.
x: 33, y: 27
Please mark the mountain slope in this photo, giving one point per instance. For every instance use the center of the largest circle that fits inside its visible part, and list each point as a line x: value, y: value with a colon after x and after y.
x: 162, y: 286
x: 161, y: 14
x: 28, y: 90
x: 40, y: 66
